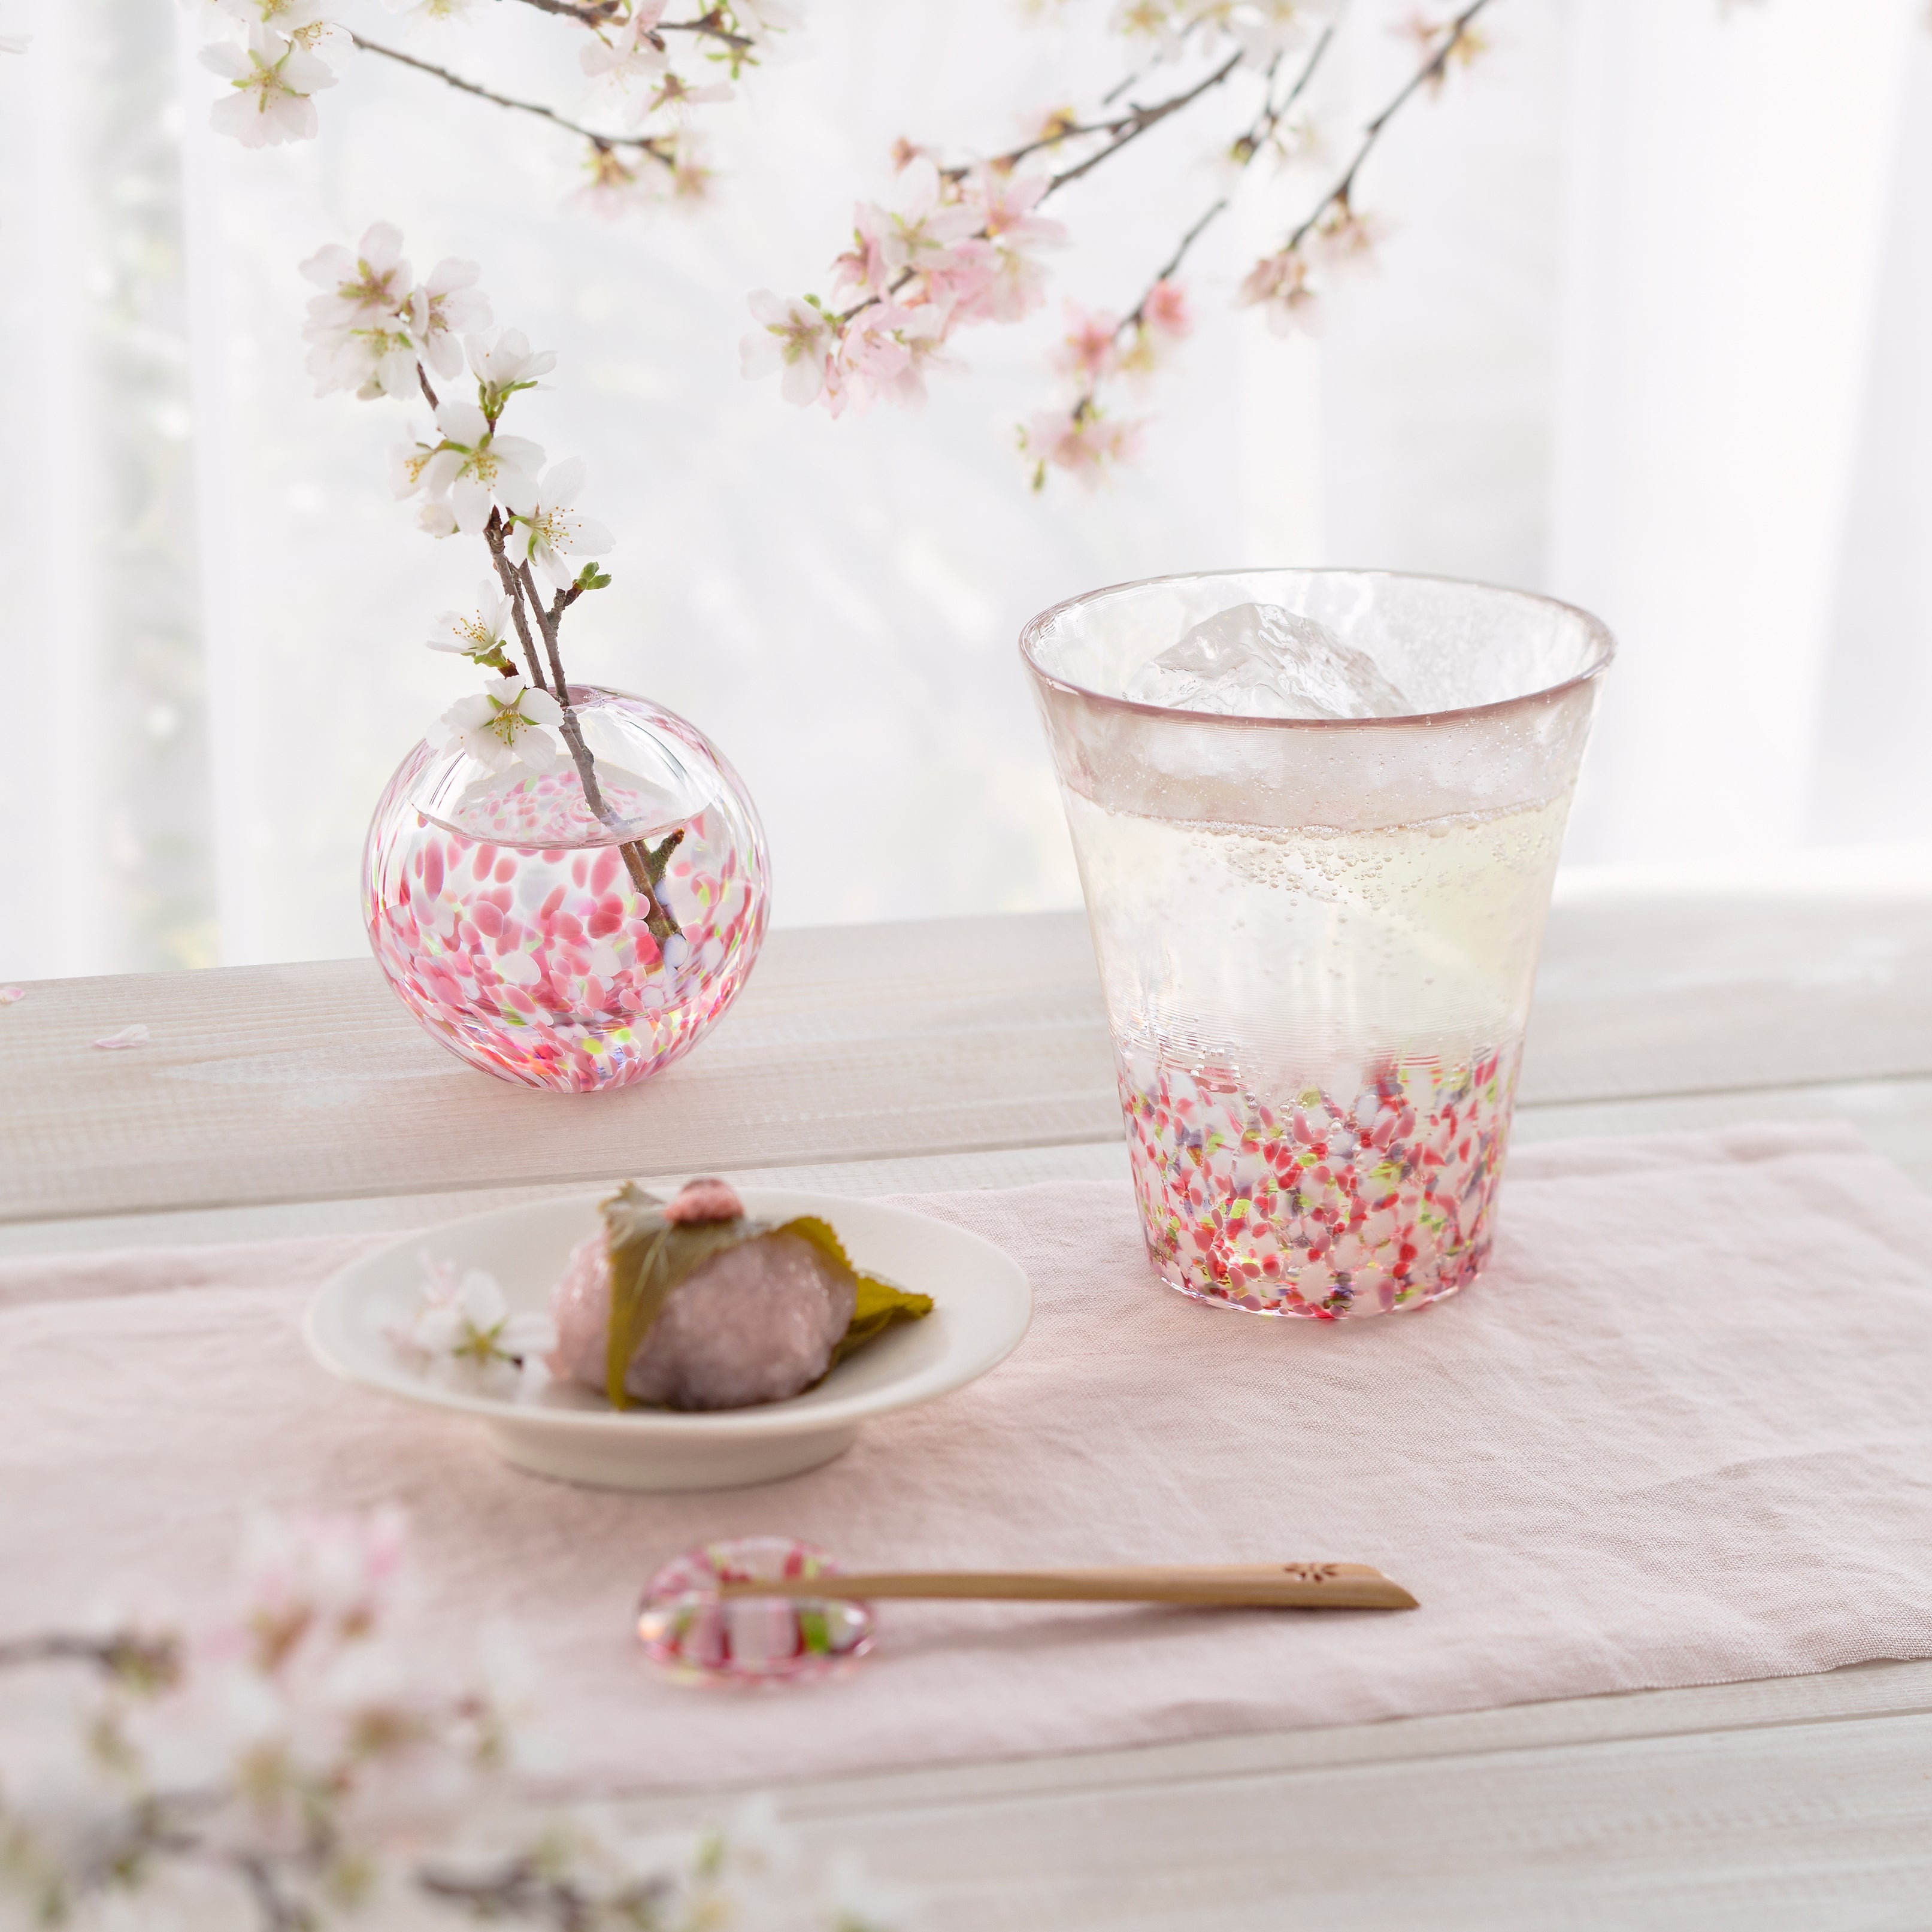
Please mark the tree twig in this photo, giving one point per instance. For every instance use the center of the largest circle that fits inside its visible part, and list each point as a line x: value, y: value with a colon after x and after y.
x: 1432, y: 69
x: 493, y: 534
x: 652, y: 144
x: 1248, y: 146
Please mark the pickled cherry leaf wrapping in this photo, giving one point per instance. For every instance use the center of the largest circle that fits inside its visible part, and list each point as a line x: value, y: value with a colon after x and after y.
x: 880, y: 1304
x: 648, y: 1256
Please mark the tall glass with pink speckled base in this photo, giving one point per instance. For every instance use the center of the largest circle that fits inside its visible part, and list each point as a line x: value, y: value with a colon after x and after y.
x: 514, y: 922
x: 1317, y: 934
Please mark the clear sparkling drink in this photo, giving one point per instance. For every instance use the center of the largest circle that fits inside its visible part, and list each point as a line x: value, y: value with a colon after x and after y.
x: 1317, y: 1034
x: 1317, y: 935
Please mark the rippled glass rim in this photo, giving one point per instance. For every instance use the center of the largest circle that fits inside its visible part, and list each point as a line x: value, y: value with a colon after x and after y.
x: 1595, y: 628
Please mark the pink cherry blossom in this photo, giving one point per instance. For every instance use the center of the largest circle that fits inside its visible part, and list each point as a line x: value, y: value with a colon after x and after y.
x: 1166, y: 311
x: 924, y: 225
x: 1082, y: 442
x: 1345, y: 241
x: 705, y: 1200
x: 1087, y: 351
x: 1015, y: 289
x: 1280, y: 284
x: 1004, y: 202
x: 863, y: 265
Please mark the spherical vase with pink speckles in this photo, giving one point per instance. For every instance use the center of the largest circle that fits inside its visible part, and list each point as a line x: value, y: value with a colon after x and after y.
x: 578, y: 925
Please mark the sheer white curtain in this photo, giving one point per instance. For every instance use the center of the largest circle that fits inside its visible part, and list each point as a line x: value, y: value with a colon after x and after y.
x: 1648, y: 333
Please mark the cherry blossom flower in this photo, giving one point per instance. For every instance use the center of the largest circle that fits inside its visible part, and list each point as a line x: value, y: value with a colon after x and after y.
x: 135, y: 1035
x: 380, y: 361
x: 445, y: 307
x: 1166, y: 311
x: 508, y: 723
x: 506, y: 363
x: 1345, y: 241
x: 552, y: 531
x: 1087, y: 351
x: 921, y: 331
x: 1280, y: 284
x: 795, y: 336
x: 272, y: 80
x: 483, y: 638
x: 364, y: 287
x: 1016, y: 287
x: 863, y: 265
x: 476, y: 467
x: 1004, y: 202
x: 924, y: 224
x: 632, y: 51
x: 431, y: 10
x: 464, y: 1322
x: 8, y: 995
x: 617, y: 186
x: 1083, y: 442
x: 302, y: 23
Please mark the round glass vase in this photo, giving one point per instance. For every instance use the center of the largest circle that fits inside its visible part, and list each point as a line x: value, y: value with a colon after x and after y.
x: 558, y: 945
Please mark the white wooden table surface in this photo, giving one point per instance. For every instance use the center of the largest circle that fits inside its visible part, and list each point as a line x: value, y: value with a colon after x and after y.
x: 301, y: 1099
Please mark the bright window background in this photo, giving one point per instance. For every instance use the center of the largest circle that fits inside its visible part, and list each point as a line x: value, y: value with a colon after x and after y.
x: 1649, y: 333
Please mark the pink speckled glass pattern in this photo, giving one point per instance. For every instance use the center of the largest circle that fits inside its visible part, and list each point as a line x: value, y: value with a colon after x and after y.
x: 686, y: 1630
x: 504, y: 915
x: 1317, y: 935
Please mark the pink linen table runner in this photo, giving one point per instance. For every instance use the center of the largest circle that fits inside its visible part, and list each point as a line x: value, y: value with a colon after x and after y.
x: 1680, y: 1432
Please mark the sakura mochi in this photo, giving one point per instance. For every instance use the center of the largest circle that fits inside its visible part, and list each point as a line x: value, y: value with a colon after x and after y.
x: 691, y: 1303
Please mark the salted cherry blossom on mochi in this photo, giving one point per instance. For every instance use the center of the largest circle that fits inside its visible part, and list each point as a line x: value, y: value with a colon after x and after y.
x: 510, y: 723
x: 552, y: 532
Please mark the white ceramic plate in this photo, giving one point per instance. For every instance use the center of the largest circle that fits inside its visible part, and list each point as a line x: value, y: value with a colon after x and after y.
x: 983, y: 1306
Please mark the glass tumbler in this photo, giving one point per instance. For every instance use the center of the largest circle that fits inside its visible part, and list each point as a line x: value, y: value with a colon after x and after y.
x: 1317, y: 936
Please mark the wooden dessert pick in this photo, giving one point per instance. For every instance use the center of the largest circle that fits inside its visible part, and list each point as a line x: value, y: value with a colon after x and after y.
x: 1278, y: 1586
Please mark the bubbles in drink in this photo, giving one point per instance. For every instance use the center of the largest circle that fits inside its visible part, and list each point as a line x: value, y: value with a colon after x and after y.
x: 1318, y: 1036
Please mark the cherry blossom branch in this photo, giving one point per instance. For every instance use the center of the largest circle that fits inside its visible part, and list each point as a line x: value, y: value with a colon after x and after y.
x: 595, y: 14
x: 494, y: 533
x: 1456, y: 40
x: 1124, y: 129
x: 1134, y: 125
x: 1247, y: 145
x: 656, y: 146
x: 636, y: 858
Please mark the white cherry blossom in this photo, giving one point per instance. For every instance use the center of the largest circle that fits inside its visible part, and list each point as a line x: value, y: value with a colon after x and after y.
x: 793, y: 335
x: 271, y: 80
x: 464, y: 1323
x: 380, y: 361
x: 445, y: 308
x: 483, y: 638
x: 508, y: 723
x: 364, y: 286
x: 552, y: 532
x: 506, y: 361
x: 629, y: 53
x: 431, y: 10
x: 476, y: 467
